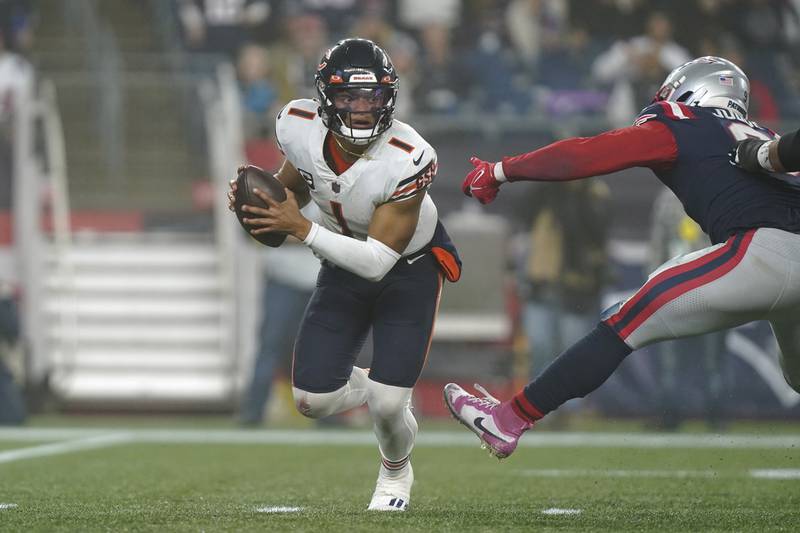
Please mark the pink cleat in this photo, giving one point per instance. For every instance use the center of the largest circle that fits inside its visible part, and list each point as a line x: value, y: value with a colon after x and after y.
x: 494, y: 422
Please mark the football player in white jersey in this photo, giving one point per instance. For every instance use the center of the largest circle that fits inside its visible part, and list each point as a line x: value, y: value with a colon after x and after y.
x: 384, y: 253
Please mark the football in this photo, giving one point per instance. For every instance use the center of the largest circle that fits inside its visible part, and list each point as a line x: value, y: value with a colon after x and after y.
x: 248, y: 179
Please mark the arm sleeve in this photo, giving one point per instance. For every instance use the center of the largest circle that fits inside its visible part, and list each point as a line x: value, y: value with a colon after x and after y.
x: 370, y: 259
x: 651, y: 145
x: 789, y: 151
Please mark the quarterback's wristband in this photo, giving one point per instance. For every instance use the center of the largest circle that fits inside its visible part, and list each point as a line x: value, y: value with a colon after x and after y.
x: 311, y: 234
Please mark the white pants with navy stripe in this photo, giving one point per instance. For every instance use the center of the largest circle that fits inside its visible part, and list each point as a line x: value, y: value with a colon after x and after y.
x: 754, y: 275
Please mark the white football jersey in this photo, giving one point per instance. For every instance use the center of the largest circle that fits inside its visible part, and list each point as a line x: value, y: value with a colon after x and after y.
x: 395, y: 167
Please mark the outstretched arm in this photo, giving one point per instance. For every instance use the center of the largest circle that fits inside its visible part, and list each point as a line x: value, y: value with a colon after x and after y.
x: 650, y: 144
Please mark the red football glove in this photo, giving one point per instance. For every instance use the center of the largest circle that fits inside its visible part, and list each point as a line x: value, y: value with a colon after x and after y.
x: 481, y: 182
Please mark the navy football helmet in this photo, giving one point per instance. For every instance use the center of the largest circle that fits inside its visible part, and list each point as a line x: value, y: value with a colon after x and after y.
x: 356, y: 87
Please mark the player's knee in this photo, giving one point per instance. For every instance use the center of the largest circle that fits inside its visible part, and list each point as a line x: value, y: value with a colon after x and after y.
x: 314, y: 404
x: 386, y: 401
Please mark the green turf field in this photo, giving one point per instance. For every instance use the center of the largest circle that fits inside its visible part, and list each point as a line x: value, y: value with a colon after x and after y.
x: 216, y: 479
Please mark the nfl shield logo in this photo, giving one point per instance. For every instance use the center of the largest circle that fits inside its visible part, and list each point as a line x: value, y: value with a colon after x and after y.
x: 335, y: 186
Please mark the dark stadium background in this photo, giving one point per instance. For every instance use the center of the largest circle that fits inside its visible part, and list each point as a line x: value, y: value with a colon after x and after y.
x: 145, y: 116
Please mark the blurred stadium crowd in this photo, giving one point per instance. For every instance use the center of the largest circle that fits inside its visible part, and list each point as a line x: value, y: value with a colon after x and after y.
x: 512, y: 57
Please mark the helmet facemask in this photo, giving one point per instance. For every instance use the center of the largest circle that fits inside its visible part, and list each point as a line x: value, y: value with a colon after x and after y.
x: 357, y: 113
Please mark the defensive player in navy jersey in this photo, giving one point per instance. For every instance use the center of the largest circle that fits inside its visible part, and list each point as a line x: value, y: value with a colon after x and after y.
x: 750, y: 272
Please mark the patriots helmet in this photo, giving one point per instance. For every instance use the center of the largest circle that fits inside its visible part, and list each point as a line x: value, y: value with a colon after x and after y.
x: 356, y: 86
x: 707, y: 82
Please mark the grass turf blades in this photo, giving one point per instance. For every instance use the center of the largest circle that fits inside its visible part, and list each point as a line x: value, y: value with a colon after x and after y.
x: 225, y: 487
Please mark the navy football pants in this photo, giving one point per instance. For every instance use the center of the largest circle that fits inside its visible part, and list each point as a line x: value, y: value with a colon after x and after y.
x: 400, y: 309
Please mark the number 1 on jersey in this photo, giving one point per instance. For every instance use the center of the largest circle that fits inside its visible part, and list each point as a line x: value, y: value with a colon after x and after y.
x: 337, y: 212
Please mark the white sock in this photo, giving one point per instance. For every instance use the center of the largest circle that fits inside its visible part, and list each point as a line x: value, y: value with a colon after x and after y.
x: 394, y: 424
x: 318, y: 405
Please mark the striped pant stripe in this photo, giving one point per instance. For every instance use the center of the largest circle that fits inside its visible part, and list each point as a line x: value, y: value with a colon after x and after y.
x: 676, y: 281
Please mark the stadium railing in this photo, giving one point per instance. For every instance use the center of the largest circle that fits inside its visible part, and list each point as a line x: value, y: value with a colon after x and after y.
x: 239, y: 261
x: 33, y: 172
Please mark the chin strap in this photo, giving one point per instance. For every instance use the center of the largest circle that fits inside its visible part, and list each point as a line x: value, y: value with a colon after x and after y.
x: 349, y: 134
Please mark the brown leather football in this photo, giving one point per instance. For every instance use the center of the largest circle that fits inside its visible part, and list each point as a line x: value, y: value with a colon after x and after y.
x: 255, y: 177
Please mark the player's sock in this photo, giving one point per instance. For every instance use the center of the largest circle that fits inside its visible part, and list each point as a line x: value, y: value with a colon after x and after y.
x: 517, y: 409
x: 394, y: 424
x: 318, y: 405
x: 395, y: 466
x: 578, y: 371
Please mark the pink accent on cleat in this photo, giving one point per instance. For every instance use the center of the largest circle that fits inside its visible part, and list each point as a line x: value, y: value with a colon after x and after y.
x: 495, y: 423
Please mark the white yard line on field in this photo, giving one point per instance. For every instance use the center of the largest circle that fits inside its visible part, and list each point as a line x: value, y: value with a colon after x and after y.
x: 7, y: 506
x: 776, y: 473
x: 278, y: 509
x: 58, y: 448
x: 570, y: 472
x: 311, y: 437
x: 557, y: 511
x: 769, y: 473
